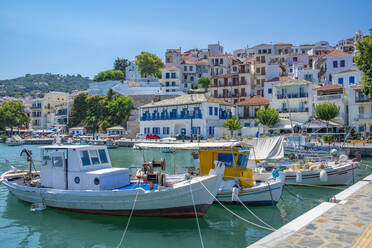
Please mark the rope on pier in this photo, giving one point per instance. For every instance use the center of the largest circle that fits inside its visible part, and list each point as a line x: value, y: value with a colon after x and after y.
x: 130, y: 216
x: 236, y: 215
x: 251, y: 212
x: 196, y: 216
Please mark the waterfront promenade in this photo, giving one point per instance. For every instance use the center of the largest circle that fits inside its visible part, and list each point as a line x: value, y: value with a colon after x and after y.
x: 345, y: 221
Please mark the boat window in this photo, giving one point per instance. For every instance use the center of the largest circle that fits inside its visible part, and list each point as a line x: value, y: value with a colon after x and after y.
x: 57, y: 161
x: 47, y: 152
x: 94, y: 156
x: 85, y: 158
x: 227, y: 158
x: 102, y: 156
x: 242, y: 160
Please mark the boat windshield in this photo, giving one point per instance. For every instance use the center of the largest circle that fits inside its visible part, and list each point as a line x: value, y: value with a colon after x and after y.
x: 226, y: 158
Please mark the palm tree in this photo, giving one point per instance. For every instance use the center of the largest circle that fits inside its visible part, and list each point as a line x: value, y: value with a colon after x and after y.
x: 232, y: 124
x: 268, y: 117
x: 326, y: 111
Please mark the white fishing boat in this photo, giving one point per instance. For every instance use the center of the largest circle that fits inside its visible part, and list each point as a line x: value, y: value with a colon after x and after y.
x: 111, y: 144
x: 338, y: 170
x: 15, y: 140
x: 80, y: 178
x: 239, y: 184
x: 301, y: 148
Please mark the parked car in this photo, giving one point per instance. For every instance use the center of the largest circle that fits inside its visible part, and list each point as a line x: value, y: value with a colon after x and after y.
x: 152, y: 136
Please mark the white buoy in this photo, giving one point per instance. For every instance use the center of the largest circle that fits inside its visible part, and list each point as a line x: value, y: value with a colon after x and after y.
x: 298, y: 177
x: 281, y: 176
x: 323, y: 176
x: 235, y: 194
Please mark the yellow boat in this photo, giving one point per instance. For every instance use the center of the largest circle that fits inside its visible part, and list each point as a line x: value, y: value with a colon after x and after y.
x: 239, y: 183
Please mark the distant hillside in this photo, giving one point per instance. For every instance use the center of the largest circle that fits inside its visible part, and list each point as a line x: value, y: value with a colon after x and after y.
x: 41, y: 83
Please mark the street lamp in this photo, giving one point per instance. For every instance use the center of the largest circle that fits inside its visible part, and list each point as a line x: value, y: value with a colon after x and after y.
x: 191, y: 116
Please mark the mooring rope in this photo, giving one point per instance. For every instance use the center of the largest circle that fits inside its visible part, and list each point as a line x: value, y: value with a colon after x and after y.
x: 196, y: 216
x: 130, y: 216
x: 252, y: 213
x: 236, y: 215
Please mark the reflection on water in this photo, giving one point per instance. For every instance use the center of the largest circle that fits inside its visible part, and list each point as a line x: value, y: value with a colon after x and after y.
x: 57, y: 228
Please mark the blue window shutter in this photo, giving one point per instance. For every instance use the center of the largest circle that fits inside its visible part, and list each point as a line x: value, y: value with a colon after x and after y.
x: 351, y: 80
x: 340, y: 80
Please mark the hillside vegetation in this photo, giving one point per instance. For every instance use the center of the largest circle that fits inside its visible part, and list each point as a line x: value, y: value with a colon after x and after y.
x: 41, y: 83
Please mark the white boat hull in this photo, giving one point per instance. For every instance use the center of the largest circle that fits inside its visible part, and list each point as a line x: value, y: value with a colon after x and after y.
x: 306, y: 153
x: 342, y: 175
x: 171, y: 201
x: 260, y: 194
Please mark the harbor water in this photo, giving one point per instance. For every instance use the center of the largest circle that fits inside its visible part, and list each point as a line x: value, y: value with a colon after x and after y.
x: 58, y: 228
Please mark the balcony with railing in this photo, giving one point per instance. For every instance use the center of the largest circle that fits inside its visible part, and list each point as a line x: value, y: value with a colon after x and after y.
x: 61, y: 112
x: 293, y: 110
x: 335, y: 97
x: 361, y: 99
x: 38, y: 106
x: 292, y: 95
x: 171, y: 116
x: 231, y: 95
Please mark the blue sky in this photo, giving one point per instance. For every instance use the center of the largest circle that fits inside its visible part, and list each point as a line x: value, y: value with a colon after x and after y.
x: 85, y: 37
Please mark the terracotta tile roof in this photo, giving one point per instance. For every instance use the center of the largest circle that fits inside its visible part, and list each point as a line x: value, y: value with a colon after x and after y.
x: 330, y: 87
x: 282, y: 44
x: 279, y: 79
x: 171, y: 67
x: 218, y: 55
x: 345, y: 71
x: 188, y: 62
x: 292, y: 82
x: 336, y: 53
x: 203, y: 61
x: 255, y: 101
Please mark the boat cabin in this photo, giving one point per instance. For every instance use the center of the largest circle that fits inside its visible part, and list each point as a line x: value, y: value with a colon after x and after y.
x: 80, y: 167
x: 236, y: 163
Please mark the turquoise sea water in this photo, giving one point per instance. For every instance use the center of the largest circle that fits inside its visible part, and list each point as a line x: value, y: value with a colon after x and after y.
x: 19, y: 227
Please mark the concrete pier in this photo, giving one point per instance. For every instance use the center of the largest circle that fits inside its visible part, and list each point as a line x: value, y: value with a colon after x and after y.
x: 345, y: 221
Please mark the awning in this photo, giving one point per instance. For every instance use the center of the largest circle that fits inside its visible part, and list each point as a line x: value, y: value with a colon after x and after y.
x: 285, y: 124
x: 321, y: 124
x: 189, y: 146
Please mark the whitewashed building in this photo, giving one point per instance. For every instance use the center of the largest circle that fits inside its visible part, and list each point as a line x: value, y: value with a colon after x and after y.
x: 333, y: 62
x: 171, y: 79
x: 293, y: 99
x: 360, y: 110
x: 347, y: 77
x: 193, y: 114
x: 334, y: 93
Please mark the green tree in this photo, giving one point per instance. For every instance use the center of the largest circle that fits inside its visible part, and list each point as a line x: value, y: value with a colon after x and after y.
x: 78, y: 110
x: 96, y: 113
x: 268, y: 117
x: 13, y: 114
x: 364, y: 62
x: 232, y: 124
x: 121, y: 64
x: 110, y: 94
x: 149, y: 64
x: 109, y: 75
x: 119, y: 110
x: 326, y: 111
x: 204, y: 81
